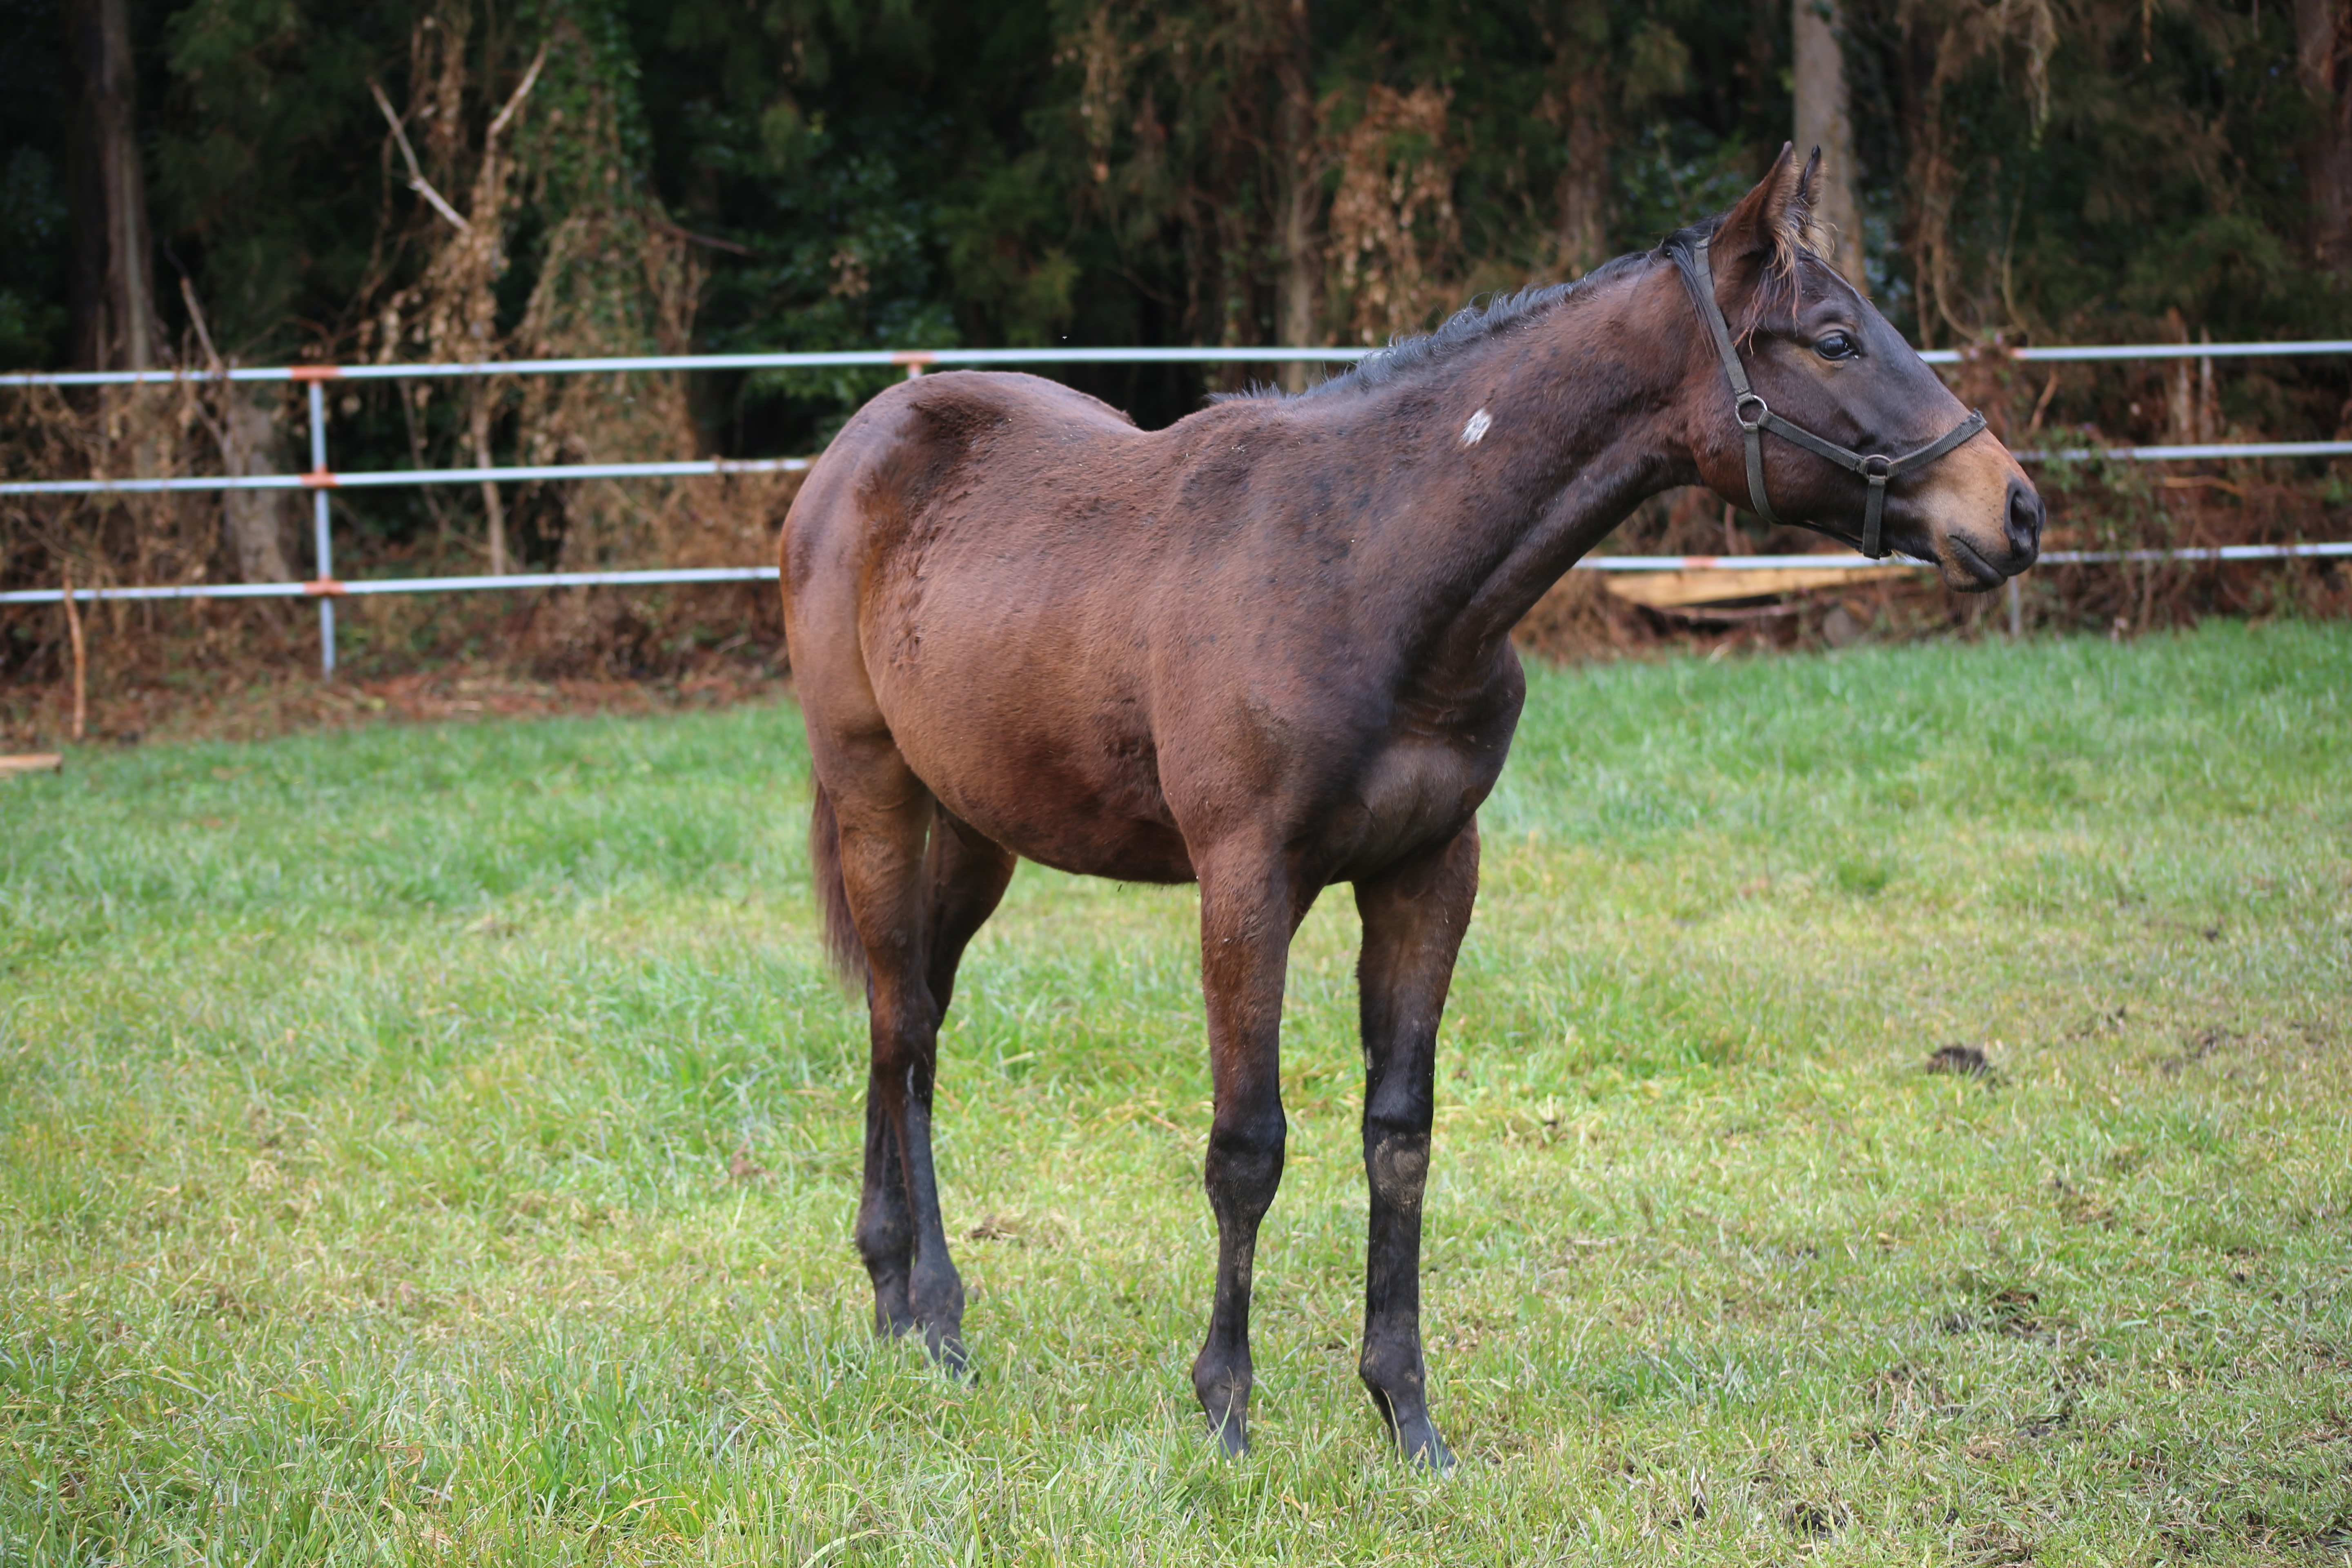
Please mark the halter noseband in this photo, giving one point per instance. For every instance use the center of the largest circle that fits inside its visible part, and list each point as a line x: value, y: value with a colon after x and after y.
x: 1876, y: 467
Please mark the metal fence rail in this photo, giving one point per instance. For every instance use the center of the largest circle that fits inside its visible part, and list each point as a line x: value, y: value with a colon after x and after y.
x: 383, y: 478
x: 707, y: 467
x: 328, y: 588
x: 925, y: 358
x: 320, y: 478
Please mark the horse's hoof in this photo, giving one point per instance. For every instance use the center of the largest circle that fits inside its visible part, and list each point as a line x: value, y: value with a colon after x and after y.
x: 1424, y: 1449
x: 949, y: 1354
x: 1232, y: 1441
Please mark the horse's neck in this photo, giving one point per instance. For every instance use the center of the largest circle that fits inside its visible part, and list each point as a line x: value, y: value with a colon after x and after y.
x: 1566, y: 424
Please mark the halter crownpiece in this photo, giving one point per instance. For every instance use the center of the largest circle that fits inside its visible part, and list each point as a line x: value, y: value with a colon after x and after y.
x: 1755, y: 416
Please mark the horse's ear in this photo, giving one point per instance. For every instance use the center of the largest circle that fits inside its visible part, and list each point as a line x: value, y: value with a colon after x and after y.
x: 1773, y: 222
x: 1808, y: 206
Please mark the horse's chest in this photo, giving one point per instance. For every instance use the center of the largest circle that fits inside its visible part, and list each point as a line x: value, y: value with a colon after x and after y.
x: 1412, y: 791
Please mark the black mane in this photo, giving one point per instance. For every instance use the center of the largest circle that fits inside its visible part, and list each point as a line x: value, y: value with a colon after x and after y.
x: 1474, y: 323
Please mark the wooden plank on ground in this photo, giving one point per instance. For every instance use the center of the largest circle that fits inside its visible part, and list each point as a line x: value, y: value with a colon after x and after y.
x: 32, y: 763
x: 1713, y: 585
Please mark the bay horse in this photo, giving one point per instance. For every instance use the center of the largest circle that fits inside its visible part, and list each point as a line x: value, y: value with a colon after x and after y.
x: 1268, y: 649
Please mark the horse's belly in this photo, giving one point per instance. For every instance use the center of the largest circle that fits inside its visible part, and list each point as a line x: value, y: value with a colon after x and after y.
x: 1094, y: 809
x: 1089, y: 838
x: 1123, y: 852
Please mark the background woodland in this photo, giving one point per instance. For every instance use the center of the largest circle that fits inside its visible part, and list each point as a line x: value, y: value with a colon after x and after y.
x: 191, y: 182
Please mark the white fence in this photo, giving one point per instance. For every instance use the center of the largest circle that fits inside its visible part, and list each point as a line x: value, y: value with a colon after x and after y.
x: 320, y: 478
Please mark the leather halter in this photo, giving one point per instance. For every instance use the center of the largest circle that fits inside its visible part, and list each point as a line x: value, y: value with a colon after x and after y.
x: 1876, y: 467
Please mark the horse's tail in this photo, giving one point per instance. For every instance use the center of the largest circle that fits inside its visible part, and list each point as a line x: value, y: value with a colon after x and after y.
x: 841, y: 944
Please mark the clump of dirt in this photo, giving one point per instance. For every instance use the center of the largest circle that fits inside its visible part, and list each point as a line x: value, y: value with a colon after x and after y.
x: 1815, y: 1521
x: 1017, y: 1230
x: 1962, y: 1062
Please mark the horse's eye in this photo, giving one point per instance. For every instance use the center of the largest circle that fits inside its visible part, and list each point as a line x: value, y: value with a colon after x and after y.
x: 1836, y: 345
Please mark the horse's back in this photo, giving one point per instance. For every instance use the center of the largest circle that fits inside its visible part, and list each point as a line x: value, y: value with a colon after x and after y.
x: 928, y: 441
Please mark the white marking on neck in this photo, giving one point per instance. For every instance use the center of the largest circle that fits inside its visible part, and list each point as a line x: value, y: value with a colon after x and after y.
x: 1479, y: 425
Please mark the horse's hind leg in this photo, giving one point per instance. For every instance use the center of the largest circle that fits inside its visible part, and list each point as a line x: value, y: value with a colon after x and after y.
x: 964, y: 876
x: 880, y: 848
x: 915, y: 904
x: 1414, y: 915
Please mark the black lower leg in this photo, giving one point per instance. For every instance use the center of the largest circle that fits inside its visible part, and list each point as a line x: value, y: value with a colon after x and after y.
x: 886, y: 1232
x: 1415, y: 917
x: 934, y: 1288
x: 899, y: 1232
x: 1244, y: 1167
x: 1396, y: 1164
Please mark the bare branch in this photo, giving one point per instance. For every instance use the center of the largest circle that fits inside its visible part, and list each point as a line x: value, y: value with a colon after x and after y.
x: 196, y: 320
x: 529, y: 79
x: 212, y: 360
x: 666, y: 227
x: 416, y: 180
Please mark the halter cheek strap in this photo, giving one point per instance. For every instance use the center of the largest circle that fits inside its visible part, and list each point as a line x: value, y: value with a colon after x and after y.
x: 1755, y: 416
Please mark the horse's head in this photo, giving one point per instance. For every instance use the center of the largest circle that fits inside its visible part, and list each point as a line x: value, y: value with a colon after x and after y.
x: 1821, y: 361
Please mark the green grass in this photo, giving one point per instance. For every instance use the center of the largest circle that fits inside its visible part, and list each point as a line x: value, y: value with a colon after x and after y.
x: 379, y: 1114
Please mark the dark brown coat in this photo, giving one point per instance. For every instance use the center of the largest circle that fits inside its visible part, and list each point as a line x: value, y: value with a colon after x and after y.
x: 1268, y: 650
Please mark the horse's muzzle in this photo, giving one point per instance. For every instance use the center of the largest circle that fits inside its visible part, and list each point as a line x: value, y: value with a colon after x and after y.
x: 1979, y: 559
x: 2024, y: 526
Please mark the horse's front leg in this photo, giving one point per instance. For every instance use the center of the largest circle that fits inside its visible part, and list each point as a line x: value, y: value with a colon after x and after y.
x: 1415, y: 914
x: 1249, y: 907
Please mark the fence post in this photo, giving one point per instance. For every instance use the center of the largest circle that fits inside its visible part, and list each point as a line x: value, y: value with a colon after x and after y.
x: 320, y: 542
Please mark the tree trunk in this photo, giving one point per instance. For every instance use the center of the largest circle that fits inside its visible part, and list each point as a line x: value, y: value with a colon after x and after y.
x: 114, y: 296
x: 1581, y: 101
x: 1583, y: 194
x: 1302, y: 272
x: 2323, y: 31
x: 1822, y: 122
x: 260, y: 524
x: 494, y: 514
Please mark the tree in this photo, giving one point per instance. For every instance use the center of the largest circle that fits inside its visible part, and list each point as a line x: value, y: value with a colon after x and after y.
x: 1299, y: 180
x: 2323, y: 36
x: 1823, y: 124
x: 1579, y: 105
x: 113, y: 292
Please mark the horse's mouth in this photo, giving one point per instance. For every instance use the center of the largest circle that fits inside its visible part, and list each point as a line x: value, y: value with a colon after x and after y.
x: 1967, y: 571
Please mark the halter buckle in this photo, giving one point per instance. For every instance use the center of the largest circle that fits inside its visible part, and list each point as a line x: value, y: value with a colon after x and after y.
x: 1878, y: 469
x: 1739, y: 411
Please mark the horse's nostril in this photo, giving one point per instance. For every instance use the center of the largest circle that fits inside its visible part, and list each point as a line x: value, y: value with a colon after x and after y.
x: 2024, y: 518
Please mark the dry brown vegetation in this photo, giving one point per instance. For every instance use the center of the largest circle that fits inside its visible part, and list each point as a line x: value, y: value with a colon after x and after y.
x: 1245, y: 168
x: 245, y: 668
x: 248, y: 668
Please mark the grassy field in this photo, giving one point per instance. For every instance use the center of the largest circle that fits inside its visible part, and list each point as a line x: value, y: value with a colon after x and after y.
x: 440, y: 1145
